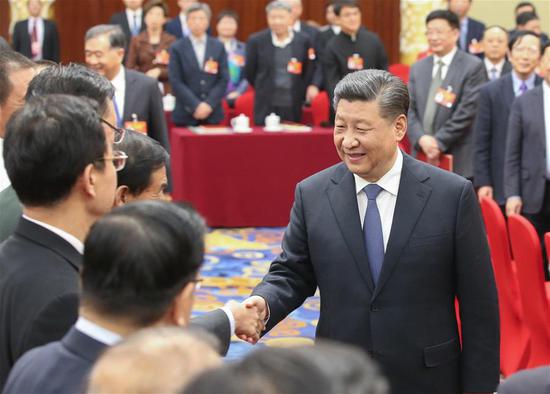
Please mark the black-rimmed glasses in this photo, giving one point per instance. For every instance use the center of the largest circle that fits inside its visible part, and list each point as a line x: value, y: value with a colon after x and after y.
x: 119, y: 131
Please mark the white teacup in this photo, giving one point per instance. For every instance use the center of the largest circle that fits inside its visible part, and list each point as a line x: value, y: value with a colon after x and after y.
x: 272, y: 121
x: 169, y: 102
x: 240, y: 123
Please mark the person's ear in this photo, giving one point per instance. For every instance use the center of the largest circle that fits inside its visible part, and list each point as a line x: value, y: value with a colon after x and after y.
x: 182, y: 305
x: 122, y: 194
x: 400, y: 127
x: 89, y: 179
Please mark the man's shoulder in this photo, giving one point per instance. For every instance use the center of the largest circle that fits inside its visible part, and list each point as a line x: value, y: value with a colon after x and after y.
x: 214, y: 42
x: 259, y: 36
x: 476, y: 23
x: 118, y: 16
x: 173, y: 22
x: 433, y: 176
x: 423, y: 64
x: 528, y: 100
x: 322, y: 178
x: 366, y: 34
x: 136, y: 78
x: 21, y: 24
x: 469, y: 60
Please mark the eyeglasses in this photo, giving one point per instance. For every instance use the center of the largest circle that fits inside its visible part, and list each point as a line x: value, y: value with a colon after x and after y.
x: 532, y: 51
x: 197, y: 282
x: 119, y: 131
x: 437, y: 33
x: 118, y: 159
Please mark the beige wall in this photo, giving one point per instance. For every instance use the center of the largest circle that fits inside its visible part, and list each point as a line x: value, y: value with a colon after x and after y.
x: 501, y: 12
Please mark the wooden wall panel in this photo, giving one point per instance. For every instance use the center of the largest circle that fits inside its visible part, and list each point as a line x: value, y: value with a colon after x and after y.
x: 74, y: 17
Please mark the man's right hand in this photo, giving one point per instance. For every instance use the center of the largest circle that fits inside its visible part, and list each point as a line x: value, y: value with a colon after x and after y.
x: 261, y: 307
x: 485, y: 191
x: 202, y: 111
x: 513, y: 206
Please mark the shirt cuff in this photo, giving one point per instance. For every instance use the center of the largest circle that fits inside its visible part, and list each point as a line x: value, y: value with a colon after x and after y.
x: 230, y: 317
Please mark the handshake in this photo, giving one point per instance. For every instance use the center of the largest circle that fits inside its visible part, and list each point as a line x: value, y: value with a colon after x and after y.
x: 250, y: 316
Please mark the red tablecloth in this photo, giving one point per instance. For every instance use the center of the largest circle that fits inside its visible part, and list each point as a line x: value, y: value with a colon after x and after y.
x: 240, y: 180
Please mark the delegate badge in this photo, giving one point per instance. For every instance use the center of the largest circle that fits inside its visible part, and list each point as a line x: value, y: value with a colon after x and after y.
x: 211, y: 67
x: 162, y: 58
x: 445, y: 97
x: 355, y: 62
x: 294, y: 66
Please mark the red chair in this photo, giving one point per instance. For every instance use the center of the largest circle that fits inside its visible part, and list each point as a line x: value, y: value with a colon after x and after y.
x: 536, y: 309
x: 405, y: 145
x: 445, y: 160
x: 514, y: 336
x: 400, y: 70
x: 245, y: 105
x: 320, y: 109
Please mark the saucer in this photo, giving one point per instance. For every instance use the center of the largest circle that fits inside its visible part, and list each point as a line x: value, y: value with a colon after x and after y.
x: 247, y: 130
x: 278, y: 128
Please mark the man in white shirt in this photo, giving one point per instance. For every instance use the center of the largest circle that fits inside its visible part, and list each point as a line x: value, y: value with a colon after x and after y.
x: 495, y: 46
x: 131, y: 19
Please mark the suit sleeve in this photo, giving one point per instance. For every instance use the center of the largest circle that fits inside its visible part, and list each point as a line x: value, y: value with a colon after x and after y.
x: 477, y: 296
x: 415, y: 129
x: 16, y: 40
x: 217, y: 92
x: 330, y: 70
x: 55, y: 43
x: 382, y: 56
x: 482, y: 138
x: 463, y: 116
x: 512, y: 159
x: 131, y: 60
x: 179, y: 87
x: 159, y: 129
x: 251, y: 64
x: 290, y: 279
x: 217, y: 324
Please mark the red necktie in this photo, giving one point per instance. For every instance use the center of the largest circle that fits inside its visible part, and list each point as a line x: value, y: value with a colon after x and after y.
x: 34, y: 39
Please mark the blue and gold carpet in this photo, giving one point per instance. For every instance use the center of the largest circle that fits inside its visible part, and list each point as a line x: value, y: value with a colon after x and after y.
x: 236, y: 260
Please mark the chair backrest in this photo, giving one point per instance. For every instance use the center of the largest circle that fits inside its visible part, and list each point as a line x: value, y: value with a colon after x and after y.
x: 401, y: 70
x: 245, y: 104
x: 536, y: 311
x: 547, y: 244
x: 320, y: 109
x: 445, y: 160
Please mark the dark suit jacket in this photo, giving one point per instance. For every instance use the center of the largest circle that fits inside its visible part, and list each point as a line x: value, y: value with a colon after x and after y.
x: 21, y: 40
x: 260, y: 72
x: 38, y: 291
x: 120, y: 19
x: 452, y: 126
x: 174, y: 27
x: 437, y: 250
x: 532, y: 381
x: 317, y: 71
x: 192, y: 85
x: 10, y: 212
x: 475, y: 32
x: 525, y: 160
x: 490, y: 132
x: 143, y: 98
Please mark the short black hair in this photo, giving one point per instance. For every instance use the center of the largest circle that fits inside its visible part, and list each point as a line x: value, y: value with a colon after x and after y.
x: 155, y: 3
x: 117, y: 38
x: 228, y: 13
x: 389, y: 91
x: 447, y: 15
x: 145, y: 155
x: 11, y: 61
x: 73, y: 79
x: 48, y: 144
x: 139, y: 257
x: 545, y: 47
x: 344, y: 3
x: 518, y: 37
x: 525, y: 4
x: 525, y: 17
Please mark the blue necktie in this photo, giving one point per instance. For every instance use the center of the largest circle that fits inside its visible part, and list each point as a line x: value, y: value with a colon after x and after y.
x: 372, y: 231
x: 135, y: 29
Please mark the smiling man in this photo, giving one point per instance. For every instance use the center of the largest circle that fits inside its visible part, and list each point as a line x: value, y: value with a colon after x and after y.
x: 390, y: 242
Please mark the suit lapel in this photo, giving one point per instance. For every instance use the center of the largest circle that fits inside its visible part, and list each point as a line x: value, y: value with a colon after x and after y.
x: 343, y: 200
x: 128, y: 96
x: 411, y: 199
x: 189, y: 52
x: 538, y: 114
x: 507, y: 91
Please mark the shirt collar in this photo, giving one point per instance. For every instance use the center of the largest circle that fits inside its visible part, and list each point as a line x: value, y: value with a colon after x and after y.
x: 198, y: 41
x: 489, y: 65
x: 447, y: 59
x: 546, y: 88
x: 71, y: 239
x: 97, y: 332
x: 336, y: 29
x: 389, y: 182
x: 517, y: 81
x: 119, y: 81
x: 297, y: 26
x: 137, y: 12
x: 285, y: 42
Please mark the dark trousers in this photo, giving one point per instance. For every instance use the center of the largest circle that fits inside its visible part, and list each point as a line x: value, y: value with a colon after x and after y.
x: 541, y: 221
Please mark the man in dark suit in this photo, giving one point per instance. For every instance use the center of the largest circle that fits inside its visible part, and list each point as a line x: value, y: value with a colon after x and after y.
x: 137, y: 97
x: 278, y: 66
x: 526, y: 166
x: 36, y: 37
x: 444, y: 88
x: 471, y: 30
x: 491, y: 125
x: 62, y: 195
x: 495, y: 49
x: 534, y: 381
x: 198, y: 72
x: 131, y: 19
x: 390, y: 242
x: 152, y: 294
x: 529, y: 21
x: 178, y: 25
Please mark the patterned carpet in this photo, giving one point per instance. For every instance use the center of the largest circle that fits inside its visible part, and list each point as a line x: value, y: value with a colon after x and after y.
x: 237, y: 259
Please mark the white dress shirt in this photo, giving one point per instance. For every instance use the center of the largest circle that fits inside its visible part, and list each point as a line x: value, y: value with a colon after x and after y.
x: 447, y: 59
x: 4, y: 180
x: 71, y: 239
x: 130, y: 17
x: 119, y: 83
x: 199, y: 46
x: 517, y: 81
x: 385, y: 200
x: 336, y: 29
x: 282, y: 43
x: 39, y: 34
x: 489, y: 66
x: 546, y: 103
x: 97, y: 332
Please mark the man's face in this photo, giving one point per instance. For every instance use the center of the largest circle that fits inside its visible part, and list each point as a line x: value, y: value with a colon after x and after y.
x: 19, y: 81
x: 460, y: 7
x: 279, y: 21
x: 532, y: 25
x: 185, y: 4
x: 525, y: 55
x: 133, y: 4
x: 296, y: 9
x: 545, y: 65
x: 197, y: 22
x: 227, y: 27
x: 101, y: 58
x: 495, y: 44
x: 350, y: 19
x: 156, y: 190
x: 34, y: 7
x: 441, y: 36
x: 330, y: 16
x: 366, y: 142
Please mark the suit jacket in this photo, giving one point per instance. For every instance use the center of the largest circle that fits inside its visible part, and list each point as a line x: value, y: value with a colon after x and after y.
x: 142, y: 55
x: 490, y: 132
x: 260, y: 72
x: 437, y: 250
x: 174, y: 27
x: 121, y: 19
x: 38, y: 291
x: 533, y: 381
x: 452, y: 126
x: 475, y: 32
x: 192, y: 85
x: 525, y: 160
x: 10, y: 212
x: 143, y: 98
x: 21, y: 40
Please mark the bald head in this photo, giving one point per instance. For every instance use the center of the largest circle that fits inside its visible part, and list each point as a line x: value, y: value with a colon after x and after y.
x: 495, y: 43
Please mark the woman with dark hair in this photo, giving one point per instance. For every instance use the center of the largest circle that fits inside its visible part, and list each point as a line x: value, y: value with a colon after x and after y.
x: 148, y: 51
